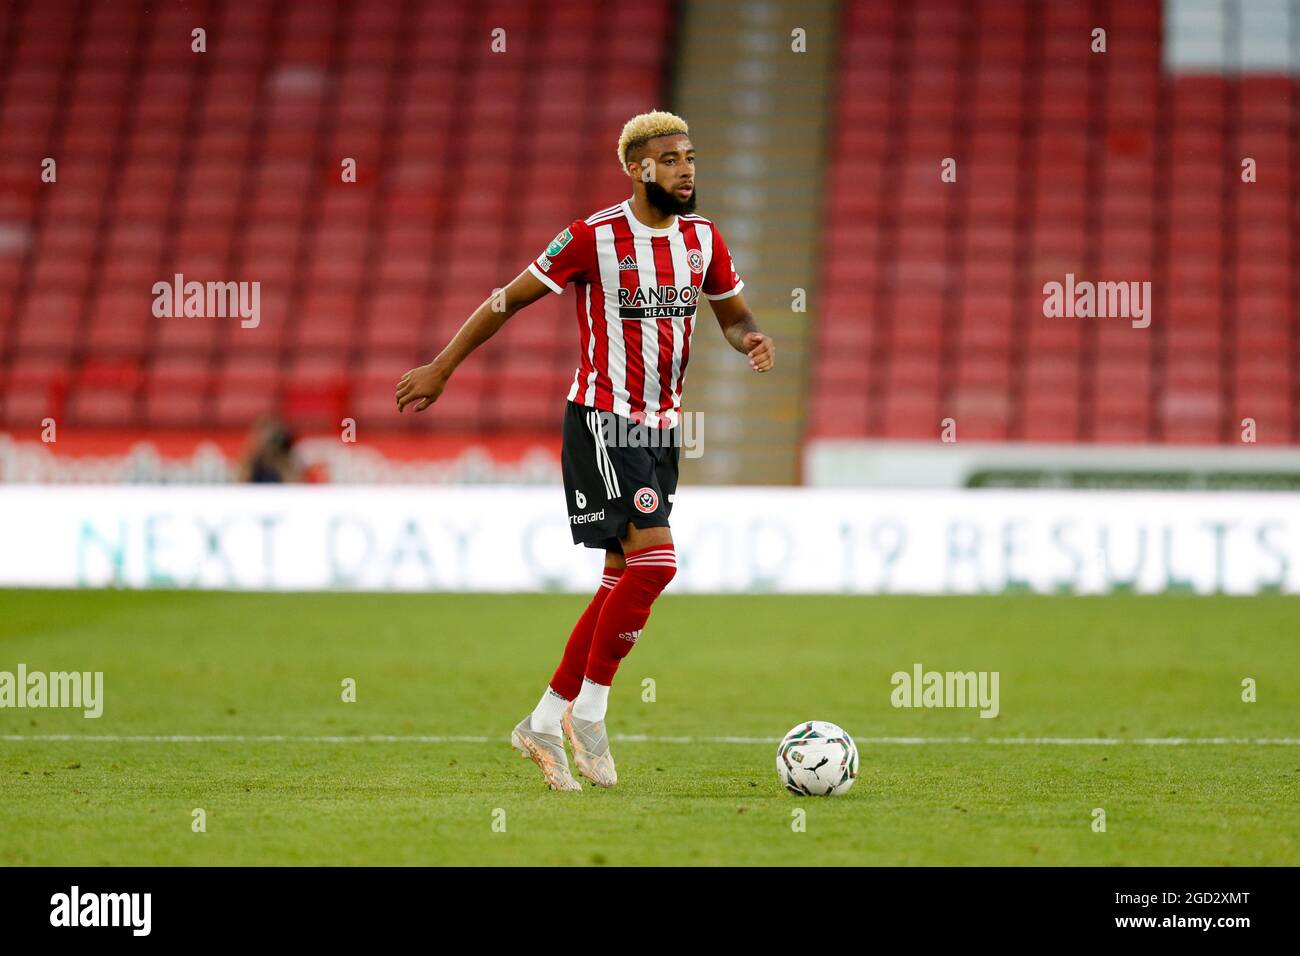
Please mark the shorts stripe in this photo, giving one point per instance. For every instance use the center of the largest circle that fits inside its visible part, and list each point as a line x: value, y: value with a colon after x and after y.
x: 603, y: 464
x: 600, y: 464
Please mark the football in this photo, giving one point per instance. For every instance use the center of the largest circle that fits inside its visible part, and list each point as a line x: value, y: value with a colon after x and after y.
x: 817, y: 759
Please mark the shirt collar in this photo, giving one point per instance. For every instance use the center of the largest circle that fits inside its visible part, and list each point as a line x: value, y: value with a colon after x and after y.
x: 641, y: 229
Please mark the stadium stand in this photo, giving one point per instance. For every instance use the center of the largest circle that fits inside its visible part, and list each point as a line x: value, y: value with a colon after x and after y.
x: 926, y: 298
x: 225, y: 165
x: 1109, y: 166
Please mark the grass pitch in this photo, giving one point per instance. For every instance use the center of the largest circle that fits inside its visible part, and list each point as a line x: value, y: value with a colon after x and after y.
x: 240, y: 667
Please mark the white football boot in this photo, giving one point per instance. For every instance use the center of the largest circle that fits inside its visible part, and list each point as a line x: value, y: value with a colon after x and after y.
x: 590, y: 746
x: 547, y: 751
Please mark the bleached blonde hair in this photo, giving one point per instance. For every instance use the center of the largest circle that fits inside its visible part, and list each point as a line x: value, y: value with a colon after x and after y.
x: 640, y: 129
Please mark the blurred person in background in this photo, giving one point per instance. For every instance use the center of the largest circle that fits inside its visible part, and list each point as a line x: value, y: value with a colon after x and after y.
x: 269, y: 456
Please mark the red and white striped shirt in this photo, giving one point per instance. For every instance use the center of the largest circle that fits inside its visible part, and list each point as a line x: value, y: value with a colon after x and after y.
x: 638, y: 289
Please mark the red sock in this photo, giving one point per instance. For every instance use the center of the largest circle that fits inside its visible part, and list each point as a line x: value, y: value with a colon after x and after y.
x: 627, y: 608
x: 568, y: 676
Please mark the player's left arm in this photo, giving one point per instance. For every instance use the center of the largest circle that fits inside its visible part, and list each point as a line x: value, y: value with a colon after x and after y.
x: 738, y: 325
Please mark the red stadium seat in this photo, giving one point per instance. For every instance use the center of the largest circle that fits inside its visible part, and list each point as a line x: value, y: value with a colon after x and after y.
x: 1134, y: 180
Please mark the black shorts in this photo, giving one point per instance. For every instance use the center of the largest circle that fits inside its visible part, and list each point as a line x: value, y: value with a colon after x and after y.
x: 616, y: 472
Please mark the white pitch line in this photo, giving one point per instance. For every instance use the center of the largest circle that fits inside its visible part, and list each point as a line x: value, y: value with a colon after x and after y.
x: 636, y: 738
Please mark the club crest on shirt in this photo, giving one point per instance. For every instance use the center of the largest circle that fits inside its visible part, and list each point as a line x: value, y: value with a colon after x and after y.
x: 558, y: 243
x: 646, y: 500
x: 695, y: 259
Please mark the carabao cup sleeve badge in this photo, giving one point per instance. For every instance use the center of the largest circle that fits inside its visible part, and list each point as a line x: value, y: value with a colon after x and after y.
x: 558, y: 243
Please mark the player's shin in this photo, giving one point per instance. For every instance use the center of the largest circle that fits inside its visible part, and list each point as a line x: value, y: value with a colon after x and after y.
x: 624, y: 614
x: 567, y: 680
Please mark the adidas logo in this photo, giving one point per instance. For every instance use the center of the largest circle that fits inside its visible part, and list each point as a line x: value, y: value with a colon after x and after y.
x: 628, y: 264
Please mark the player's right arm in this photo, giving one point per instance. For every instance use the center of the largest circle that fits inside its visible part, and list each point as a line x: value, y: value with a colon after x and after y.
x: 423, y: 385
x: 564, y: 261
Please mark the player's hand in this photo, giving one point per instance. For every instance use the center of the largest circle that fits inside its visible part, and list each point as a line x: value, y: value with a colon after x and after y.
x: 422, y: 385
x: 762, y: 351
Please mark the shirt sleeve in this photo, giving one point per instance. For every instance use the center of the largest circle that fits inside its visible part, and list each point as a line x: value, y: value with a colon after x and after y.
x: 567, y: 259
x: 721, y: 281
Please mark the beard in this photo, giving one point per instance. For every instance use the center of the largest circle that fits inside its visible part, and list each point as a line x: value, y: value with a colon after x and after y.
x: 668, y: 203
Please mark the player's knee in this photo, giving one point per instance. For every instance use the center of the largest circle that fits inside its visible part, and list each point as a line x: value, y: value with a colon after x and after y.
x: 653, y: 568
x: 659, y: 577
